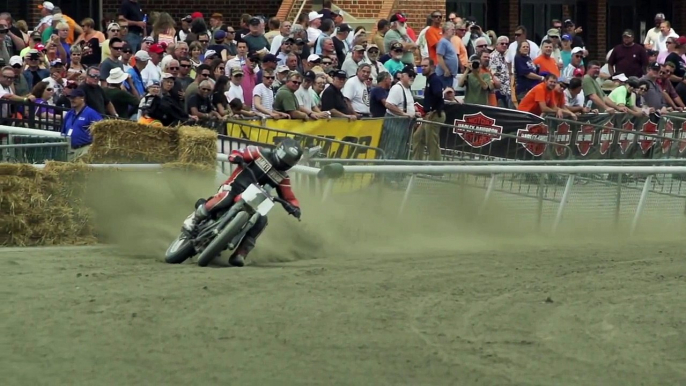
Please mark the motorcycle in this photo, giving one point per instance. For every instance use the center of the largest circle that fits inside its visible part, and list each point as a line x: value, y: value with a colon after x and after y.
x: 227, y: 229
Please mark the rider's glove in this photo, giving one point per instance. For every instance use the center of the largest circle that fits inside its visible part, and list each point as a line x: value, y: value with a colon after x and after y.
x: 294, y: 211
x: 238, y: 160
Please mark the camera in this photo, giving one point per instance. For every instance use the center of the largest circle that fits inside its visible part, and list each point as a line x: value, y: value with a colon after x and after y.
x: 475, y: 65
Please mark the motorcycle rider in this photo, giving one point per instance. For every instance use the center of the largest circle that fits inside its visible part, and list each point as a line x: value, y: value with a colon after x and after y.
x: 270, y: 168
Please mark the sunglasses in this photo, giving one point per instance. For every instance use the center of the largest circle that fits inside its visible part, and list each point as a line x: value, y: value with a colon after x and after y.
x: 204, y: 41
x: 173, y: 68
x: 186, y: 65
x: 517, y: 35
x: 268, y: 77
x: 17, y: 66
x: 295, y: 82
x: 37, y: 40
x: 238, y: 75
x: 10, y: 77
x: 205, y: 75
x: 373, y: 51
x: 114, y: 30
x: 49, y: 89
x: 206, y: 89
x: 644, y: 89
x: 4, y: 30
x: 127, y: 51
x: 116, y: 48
x: 482, y: 46
x: 231, y: 32
x: 462, y: 29
x: 221, y: 68
x: 436, y: 16
x: 93, y: 76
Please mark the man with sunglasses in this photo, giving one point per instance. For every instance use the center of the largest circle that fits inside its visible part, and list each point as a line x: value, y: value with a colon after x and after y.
x: 6, y: 92
x: 576, y: 63
x: 203, y: 73
x: 184, y: 77
x: 33, y: 73
x: 112, y: 61
x: 501, y: 71
x: 77, y: 124
x: 20, y: 85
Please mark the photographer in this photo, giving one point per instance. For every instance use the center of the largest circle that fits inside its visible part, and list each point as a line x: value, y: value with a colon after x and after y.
x: 479, y: 83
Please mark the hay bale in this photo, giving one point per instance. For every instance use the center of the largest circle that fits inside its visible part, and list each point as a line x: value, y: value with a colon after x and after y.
x: 119, y: 141
x: 197, y: 146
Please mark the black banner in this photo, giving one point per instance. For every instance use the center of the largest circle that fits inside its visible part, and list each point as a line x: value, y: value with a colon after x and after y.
x: 592, y: 136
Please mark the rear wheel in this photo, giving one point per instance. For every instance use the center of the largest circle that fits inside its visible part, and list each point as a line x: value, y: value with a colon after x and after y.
x: 220, y: 242
x: 180, y: 250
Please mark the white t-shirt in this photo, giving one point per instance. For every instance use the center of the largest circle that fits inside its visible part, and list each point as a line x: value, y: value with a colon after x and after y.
x: 150, y: 72
x: 356, y: 92
x: 313, y: 34
x: 577, y: 101
x: 235, y: 91
x: 276, y: 44
x: 661, y: 43
x: 5, y: 108
x: 305, y: 97
x: 266, y: 97
x: 395, y: 97
x: 534, y: 51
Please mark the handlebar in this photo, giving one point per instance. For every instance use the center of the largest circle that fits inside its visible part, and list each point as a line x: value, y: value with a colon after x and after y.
x: 285, y: 203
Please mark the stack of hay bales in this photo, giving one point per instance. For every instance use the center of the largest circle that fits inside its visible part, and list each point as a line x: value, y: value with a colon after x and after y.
x: 44, y: 206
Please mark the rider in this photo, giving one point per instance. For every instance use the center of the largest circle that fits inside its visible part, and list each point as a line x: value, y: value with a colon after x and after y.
x: 269, y: 167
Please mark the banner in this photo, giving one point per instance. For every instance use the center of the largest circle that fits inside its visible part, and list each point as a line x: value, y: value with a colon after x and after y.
x: 365, y: 132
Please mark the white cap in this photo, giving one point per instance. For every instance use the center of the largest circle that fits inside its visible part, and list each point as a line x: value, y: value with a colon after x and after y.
x: 143, y: 56
x: 16, y: 60
x: 281, y: 68
x: 113, y: 25
x: 117, y: 75
x: 577, y: 49
x: 313, y: 58
x: 167, y: 75
x: 209, y: 53
x: 47, y: 5
x: 314, y: 15
x: 620, y: 77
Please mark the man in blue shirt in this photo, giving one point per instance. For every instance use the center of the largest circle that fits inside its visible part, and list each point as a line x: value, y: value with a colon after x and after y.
x: 378, y: 95
x: 448, y: 66
x: 77, y: 123
x: 434, y: 107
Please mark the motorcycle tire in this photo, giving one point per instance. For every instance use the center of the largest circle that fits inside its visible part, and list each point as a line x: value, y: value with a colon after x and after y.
x: 220, y: 242
x: 179, y: 251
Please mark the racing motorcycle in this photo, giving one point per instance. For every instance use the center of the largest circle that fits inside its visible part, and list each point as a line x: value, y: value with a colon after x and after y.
x: 227, y: 229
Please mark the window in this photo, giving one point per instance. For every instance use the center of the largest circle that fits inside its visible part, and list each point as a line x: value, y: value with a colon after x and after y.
x: 623, y: 17
x: 475, y: 8
x: 536, y: 16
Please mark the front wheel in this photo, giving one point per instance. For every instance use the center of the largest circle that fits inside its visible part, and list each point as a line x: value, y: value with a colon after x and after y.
x: 179, y: 251
x: 220, y: 242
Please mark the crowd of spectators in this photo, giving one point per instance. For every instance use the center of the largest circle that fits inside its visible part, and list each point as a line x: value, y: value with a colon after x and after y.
x: 148, y: 67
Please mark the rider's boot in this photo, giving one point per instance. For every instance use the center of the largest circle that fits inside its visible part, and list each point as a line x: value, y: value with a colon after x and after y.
x: 195, y: 218
x: 237, y: 259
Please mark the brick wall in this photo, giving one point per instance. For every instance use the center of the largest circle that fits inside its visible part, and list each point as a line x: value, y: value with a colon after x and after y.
x: 34, y: 13
x: 511, y: 10
x: 417, y: 11
x: 179, y: 8
x: 367, y: 9
x: 596, y: 33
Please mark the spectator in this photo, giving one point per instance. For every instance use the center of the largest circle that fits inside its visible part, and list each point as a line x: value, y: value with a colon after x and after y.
x: 627, y: 58
x: 398, y: 34
x: 479, y: 82
x: 235, y: 87
x: 435, y: 32
x: 76, y: 68
x: 350, y: 65
x: 277, y: 41
x: 624, y: 98
x: 327, y: 31
x: 541, y: 99
x: 216, y: 24
x: 378, y: 95
x: 285, y: 100
x: 170, y: 108
x: 77, y: 124
x: 63, y: 100
x: 574, y: 96
x: 306, y: 101
x: 395, y: 133
x: 671, y: 97
x: 113, y: 61
x: 263, y: 97
x: 571, y: 30
x: 124, y: 103
x: 135, y: 72
x: 525, y: 71
x: 545, y: 62
x: 95, y: 95
x: 44, y: 92
x: 152, y: 71
x: 671, y: 47
x: 501, y: 71
x: 249, y: 79
x: 382, y: 26
x: 180, y: 50
x: 652, y: 34
x: 554, y: 37
x: 21, y: 87
x: 46, y: 10
x: 241, y: 56
x: 339, y: 42
x: 395, y: 63
x: 255, y: 39
x: 458, y: 45
x: 313, y: 31
x: 448, y: 65
x: 356, y: 92
x: 666, y: 32
x: 333, y: 99
x: 113, y: 31
x: 434, y: 105
x: 131, y: 12
x: 576, y: 63
x: 475, y: 40
x: 146, y: 105
x: 516, y: 46
x: 592, y: 90
x: 200, y: 105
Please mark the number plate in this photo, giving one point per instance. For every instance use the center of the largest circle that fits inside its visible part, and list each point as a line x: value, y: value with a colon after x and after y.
x: 257, y: 199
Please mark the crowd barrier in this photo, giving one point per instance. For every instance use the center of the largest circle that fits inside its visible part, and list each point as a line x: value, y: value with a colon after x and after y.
x: 31, y: 115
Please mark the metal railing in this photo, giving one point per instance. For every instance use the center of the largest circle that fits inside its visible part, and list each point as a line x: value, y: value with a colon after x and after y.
x: 39, y: 116
x: 24, y: 145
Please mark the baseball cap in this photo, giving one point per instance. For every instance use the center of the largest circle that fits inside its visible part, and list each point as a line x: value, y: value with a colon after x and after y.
x: 270, y: 58
x: 660, y: 16
x: 167, y: 75
x: 569, y: 22
x: 563, y: 80
x: 576, y: 50
x: 153, y: 83
x: 681, y: 41
x: 197, y: 15
x: 38, y: 48
x: 156, y: 49
x: 56, y: 62
x: 299, y: 41
x: 219, y: 34
x: 628, y: 33
x: 113, y: 26
x: 340, y: 74
x: 149, y: 39
x: 396, y: 46
x: 236, y: 71
x: 77, y: 93
x: 16, y: 60
x: 210, y: 53
x: 358, y: 48
x: 578, y: 72
x: 72, y: 84
x: 142, y: 56
x: 47, y: 5
x: 217, y: 15
x: 399, y: 17
x: 620, y: 77
x: 566, y: 37
x: 35, y: 35
x: 370, y: 46
x: 314, y: 58
x: 314, y: 15
x: 310, y: 75
x: 281, y: 69
x: 254, y: 21
x: 187, y: 18
x: 254, y: 57
x: 655, y: 66
x: 409, y: 70
x: 344, y: 28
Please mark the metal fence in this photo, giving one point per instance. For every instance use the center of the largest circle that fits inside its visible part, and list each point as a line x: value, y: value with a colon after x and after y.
x: 23, y: 145
x: 39, y: 116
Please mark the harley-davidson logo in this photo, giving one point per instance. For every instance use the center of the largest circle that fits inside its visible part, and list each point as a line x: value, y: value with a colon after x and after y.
x: 645, y: 142
x: 467, y: 128
x: 585, y: 138
x: 668, y: 131
x: 607, y: 136
x: 626, y: 139
x: 537, y: 132
x: 562, y: 136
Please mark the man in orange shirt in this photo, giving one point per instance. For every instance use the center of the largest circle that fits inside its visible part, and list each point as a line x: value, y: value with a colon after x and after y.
x: 458, y: 44
x: 541, y: 99
x: 434, y: 34
x: 545, y: 61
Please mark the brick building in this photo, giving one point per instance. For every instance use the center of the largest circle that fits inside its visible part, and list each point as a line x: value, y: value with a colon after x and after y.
x: 602, y: 20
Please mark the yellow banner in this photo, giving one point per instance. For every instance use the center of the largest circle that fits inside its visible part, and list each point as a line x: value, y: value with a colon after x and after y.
x: 364, y: 132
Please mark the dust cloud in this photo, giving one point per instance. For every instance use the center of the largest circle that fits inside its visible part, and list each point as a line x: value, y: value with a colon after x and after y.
x: 142, y: 212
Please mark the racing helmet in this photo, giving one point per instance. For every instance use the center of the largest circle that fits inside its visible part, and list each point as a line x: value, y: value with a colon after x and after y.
x: 287, y: 154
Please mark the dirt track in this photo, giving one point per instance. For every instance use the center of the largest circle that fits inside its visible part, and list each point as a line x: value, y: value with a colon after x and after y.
x: 350, y: 296
x: 94, y: 316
